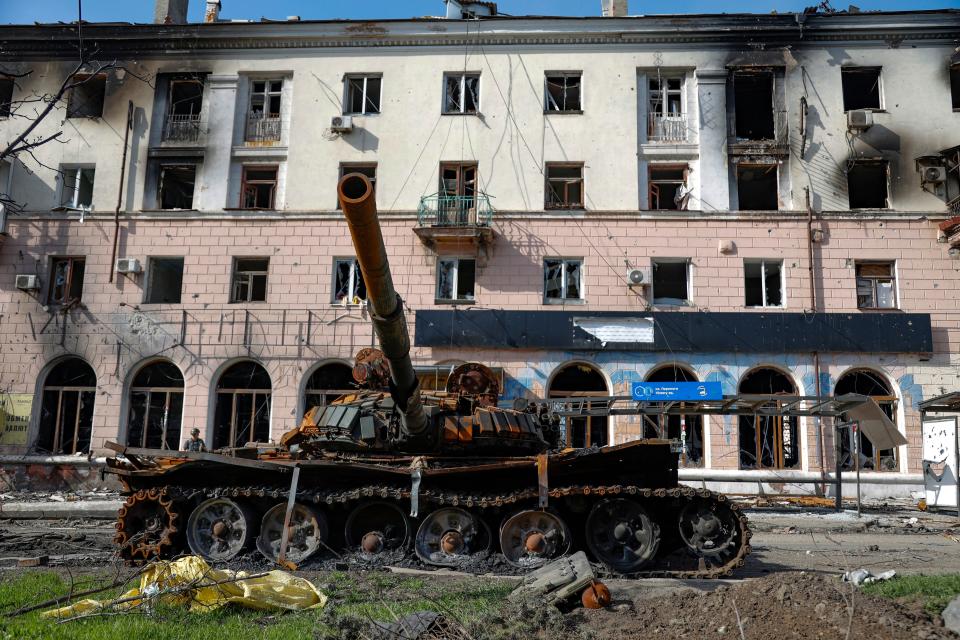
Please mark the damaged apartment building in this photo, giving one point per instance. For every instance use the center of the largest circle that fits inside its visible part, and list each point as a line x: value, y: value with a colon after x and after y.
x: 768, y: 201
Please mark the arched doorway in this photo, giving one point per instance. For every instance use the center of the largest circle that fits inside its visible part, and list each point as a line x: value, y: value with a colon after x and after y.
x: 579, y: 380
x: 768, y: 442
x: 868, y: 383
x: 326, y: 383
x: 66, y: 408
x: 156, y: 407
x: 687, y: 429
x: 242, y: 413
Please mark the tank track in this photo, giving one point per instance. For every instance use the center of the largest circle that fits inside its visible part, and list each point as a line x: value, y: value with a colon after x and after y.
x: 485, y: 501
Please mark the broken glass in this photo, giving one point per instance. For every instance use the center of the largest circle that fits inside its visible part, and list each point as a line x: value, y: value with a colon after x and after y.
x: 553, y: 279
x: 573, y: 280
x: 446, y: 279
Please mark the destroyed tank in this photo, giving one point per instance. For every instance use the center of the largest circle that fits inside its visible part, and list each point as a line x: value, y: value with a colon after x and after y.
x: 452, y: 477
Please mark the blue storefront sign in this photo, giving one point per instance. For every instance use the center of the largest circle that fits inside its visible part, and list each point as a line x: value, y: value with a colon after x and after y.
x: 676, y: 391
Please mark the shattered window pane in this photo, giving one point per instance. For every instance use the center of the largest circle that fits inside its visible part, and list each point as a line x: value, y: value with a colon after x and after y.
x: 250, y: 279
x: 461, y: 93
x: 471, y: 98
x: 562, y: 279
x: 573, y: 280
x: 773, y: 283
x: 455, y: 279
x: 86, y: 99
x: 466, y: 273
x: 348, y: 286
x: 176, y: 186
x: 259, y: 187
x: 77, y: 187
x: 66, y: 410
x: 563, y: 92
x: 67, y: 280
x: 564, y: 188
x: 363, y: 95
x: 876, y: 287
x: 763, y: 283
x: 553, y: 275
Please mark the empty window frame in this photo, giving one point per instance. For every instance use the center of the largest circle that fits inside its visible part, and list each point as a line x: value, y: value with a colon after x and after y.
x: 242, y: 413
x: 687, y: 429
x: 763, y: 283
x: 868, y: 184
x: 562, y: 92
x: 562, y: 279
x: 461, y: 93
x: 876, y: 285
x: 66, y: 409
x: 348, y: 284
x: 867, y: 383
x: 455, y: 279
x: 582, y: 381
x: 362, y: 94
x: 76, y: 187
x: 184, y: 104
x: 250, y: 279
x: 327, y: 383
x: 175, y: 185
x: 753, y: 105
x: 457, y: 201
x: 66, y: 283
x: 156, y: 407
x: 667, y: 187
x: 757, y: 187
x: 369, y: 169
x: 564, y: 186
x: 671, y: 281
x: 861, y: 88
x: 86, y: 99
x: 164, y: 280
x: 258, y: 189
x: 954, y: 89
x: 768, y: 442
x: 263, y: 115
x: 6, y: 96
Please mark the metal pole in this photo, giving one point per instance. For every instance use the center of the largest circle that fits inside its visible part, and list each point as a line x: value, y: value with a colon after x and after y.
x: 285, y: 537
x: 837, y: 457
x: 856, y: 445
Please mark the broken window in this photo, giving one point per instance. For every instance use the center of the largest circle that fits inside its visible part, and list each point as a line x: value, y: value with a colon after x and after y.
x: 671, y: 279
x: 668, y: 187
x: 66, y: 409
x: 861, y: 88
x: 66, y: 285
x: 876, y: 285
x: 562, y: 91
x: 757, y: 187
x: 259, y: 187
x: 582, y: 381
x: 455, y: 279
x: 564, y: 186
x: 763, y: 283
x: 327, y: 383
x: 263, y: 117
x: 363, y: 95
x: 156, y: 407
x: 562, y: 279
x: 768, y: 442
x: 86, y: 99
x: 348, y: 286
x: 369, y: 169
x: 461, y: 93
x: 242, y: 412
x: 6, y: 96
x: 164, y: 280
x: 666, y: 121
x: 184, y: 104
x: 457, y: 202
x: 954, y: 88
x: 867, y: 383
x: 688, y: 430
x: 175, y: 186
x: 250, y: 279
x: 76, y: 187
x: 753, y: 104
x: 867, y: 184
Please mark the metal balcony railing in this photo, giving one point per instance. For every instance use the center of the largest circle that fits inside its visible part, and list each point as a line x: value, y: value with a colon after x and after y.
x: 455, y: 211
x: 262, y: 128
x: 670, y: 128
x: 182, y: 128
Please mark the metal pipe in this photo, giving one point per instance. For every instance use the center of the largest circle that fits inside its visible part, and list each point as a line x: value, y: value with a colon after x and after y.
x: 360, y: 209
x: 123, y: 173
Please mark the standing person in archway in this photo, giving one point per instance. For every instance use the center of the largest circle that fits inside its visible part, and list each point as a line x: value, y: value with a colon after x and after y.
x: 194, y: 442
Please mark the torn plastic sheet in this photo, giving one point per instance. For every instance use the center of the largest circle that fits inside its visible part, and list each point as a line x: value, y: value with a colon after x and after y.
x: 863, y: 576
x: 618, y: 330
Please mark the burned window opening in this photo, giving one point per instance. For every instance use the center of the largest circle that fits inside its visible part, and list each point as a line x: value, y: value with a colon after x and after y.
x: 667, y: 186
x: 564, y: 186
x: 671, y: 280
x: 861, y: 88
x: 242, y: 413
x: 461, y: 93
x: 688, y: 430
x: 753, y: 105
x: 954, y: 88
x: 768, y: 442
x: 867, y: 383
x: 563, y: 279
x: 176, y: 186
x: 562, y: 92
x: 369, y: 169
x: 156, y: 407
x: 876, y: 285
x: 184, y: 105
x: 757, y: 187
x: 66, y: 284
x: 455, y: 279
x: 348, y: 286
x: 66, y: 409
x: 763, y: 283
x: 77, y: 187
x: 258, y: 188
x: 86, y: 99
x: 457, y: 202
x: 867, y: 184
x: 581, y: 380
x: 6, y: 96
x: 327, y: 383
x: 363, y: 95
x: 164, y: 281
x: 250, y: 279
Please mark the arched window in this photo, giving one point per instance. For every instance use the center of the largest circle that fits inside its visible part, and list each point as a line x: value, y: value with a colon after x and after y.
x: 871, y: 384
x: 687, y: 429
x: 66, y: 409
x: 242, y: 413
x: 583, y: 381
x: 326, y: 383
x: 768, y: 442
x: 156, y: 407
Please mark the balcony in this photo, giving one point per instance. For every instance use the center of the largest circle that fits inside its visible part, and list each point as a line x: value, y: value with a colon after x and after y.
x: 182, y: 128
x: 262, y: 129
x: 455, y: 222
x: 670, y: 128
x: 771, y: 137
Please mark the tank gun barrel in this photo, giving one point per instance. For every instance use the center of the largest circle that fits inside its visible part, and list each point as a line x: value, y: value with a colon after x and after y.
x: 360, y: 208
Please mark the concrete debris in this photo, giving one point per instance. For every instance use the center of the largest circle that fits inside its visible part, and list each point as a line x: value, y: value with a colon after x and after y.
x: 863, y: 576
x: 422, y: 625
x: 562, y: 579
x: 951, y: 615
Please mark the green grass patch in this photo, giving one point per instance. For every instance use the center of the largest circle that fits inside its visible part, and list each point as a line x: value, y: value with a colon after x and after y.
x: 934, y: 592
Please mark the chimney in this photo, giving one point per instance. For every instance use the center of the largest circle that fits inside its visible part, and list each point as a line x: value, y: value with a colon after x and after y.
x: 613, y: 8
x: 212, y: 14
x: 170, y: 12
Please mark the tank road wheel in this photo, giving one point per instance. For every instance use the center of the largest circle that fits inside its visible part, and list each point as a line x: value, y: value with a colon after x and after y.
x: 711, y: 531
x: 375, y: 527
x: 308, y: 532
x: 147, y: 525
x: 448, y: 536
x: 529, y: 539
x: 219, y: 529
x: 621, y: 535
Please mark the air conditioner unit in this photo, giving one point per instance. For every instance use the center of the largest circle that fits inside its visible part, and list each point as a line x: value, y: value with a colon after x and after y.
x: 27, y: 282
x: 934, y: 175
x: 341, y: 123
x: 859, y: 119
x: 128, y: 265
x: 638, y: 278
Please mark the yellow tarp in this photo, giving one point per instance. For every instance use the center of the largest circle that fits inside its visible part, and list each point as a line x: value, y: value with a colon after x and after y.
x: 191, y: 582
